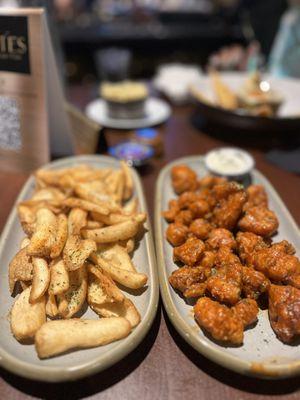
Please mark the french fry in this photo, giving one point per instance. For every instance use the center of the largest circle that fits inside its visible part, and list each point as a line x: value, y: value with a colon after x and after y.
x: 78, y: 334
x: 25, y: 242
x: 93, y: 224
x: 130, y: 207
x: 51, y: 306
x: 76, y: 251
x: 73, y: 299
x: 59, y: 278
x: 48, y: 193
x: 225, y: 96
x: 25, y: 285
x: 95, y: 192
x: 118, y: 256
x: 125, y: 309
x: 27, y: 318
x: 77, y: 220
x: 112, y: 182
x: 20, y: 268
x: 60, y: 236
x: 40, y: 279
x: 128, y: 187
x: 129, y: 245
x: 120, y: 187
x: 50, y: 177
x: 73, y: 202
x: 122, y: 231
x: 44, y: 235
x: 111, y: 219
x: 27, y: 219
x: 101, y: 288
x: 35, y: 205
x: 130, y: 279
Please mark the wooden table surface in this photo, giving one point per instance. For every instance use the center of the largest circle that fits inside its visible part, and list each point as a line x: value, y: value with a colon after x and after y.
x: 163, y: 366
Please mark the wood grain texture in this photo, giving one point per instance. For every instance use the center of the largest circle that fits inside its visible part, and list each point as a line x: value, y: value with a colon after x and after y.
x: 163, y: 366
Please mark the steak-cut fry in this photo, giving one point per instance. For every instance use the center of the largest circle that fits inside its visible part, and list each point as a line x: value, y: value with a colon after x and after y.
x: 25, y: 242
x: 128, y: 189
x: 94, y: 224
x: 27, y: 318
x: 111, y: 219
x: 124, y: 309
x: 44, y: 235
x: 49, y: 193
x: 118, y: 256
x: 20, y: 268
x: 86, y: 191
x: 77, y: 220
x: 226, y: 98
x: 25, y: 285
x: 130, y: 207
x: 50, y: 177
x: 78, y: 334
x: 120, y: 187
x: 132, y: 280
x: 123, y: 231
x: 73, y: 202
x: 51, y: 306
x: 59, y: 278
x: 128, y: 245
x: 101, y: 288
x: 60, y: 236
x: 76, y: 251
x: 27, y: 219
x: 73, y: 299
x: 40, y: 280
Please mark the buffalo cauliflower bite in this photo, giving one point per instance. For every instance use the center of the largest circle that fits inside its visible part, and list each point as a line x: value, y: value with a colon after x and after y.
x: 284, y: 312
x: 219, y: 320
x: 223, y: 323
x: 247, y: 245
x: 276, y: 264
x: 190, y: 252
x: 173, y: 210
x: 254, y: 283
x: 183, y: 179
x: 185, y: 277
x: 228, y: 211
x: 199, y: 208
x: 257, y: 196
x: 220, y: 237
x: 208, y: 181
x: 176, y: 234
x: 259, y: 220
x: 200, y: 228
x: 246, y: 310
x: 184, y: 217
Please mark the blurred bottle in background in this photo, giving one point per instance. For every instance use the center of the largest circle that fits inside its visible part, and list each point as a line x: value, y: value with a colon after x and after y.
x: 285, y: 54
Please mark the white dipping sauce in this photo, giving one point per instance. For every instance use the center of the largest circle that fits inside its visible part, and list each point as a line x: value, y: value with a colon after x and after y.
x: 229, y: 161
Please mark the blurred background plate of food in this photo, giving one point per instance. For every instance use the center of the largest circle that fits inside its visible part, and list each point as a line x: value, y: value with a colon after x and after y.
x: 138, y: 114
x: 125, y: 99
x: 174, y: 80
x: 249, y: 101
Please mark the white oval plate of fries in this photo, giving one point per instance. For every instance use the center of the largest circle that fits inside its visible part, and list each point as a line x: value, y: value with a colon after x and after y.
x: 79, y: 290
x: 262, y: 354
